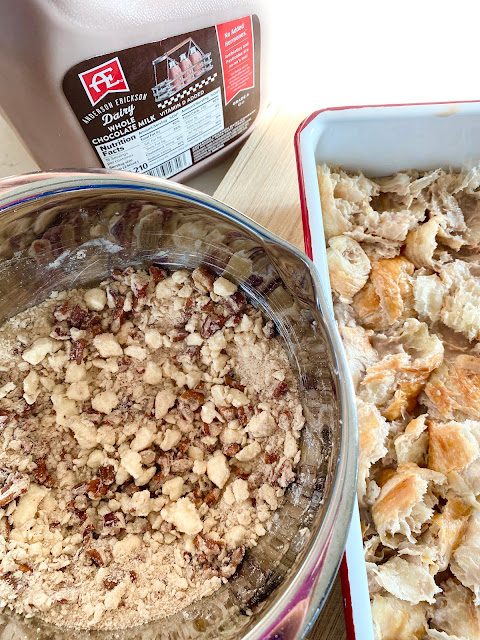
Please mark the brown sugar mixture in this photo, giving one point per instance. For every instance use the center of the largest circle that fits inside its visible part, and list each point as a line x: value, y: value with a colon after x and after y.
x: 148, y: 430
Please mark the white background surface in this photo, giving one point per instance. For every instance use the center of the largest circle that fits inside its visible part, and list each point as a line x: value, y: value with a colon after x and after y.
x: 339, y: 52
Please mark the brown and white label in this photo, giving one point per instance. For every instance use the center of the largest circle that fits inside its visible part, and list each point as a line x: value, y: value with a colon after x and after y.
x: 164, y: 106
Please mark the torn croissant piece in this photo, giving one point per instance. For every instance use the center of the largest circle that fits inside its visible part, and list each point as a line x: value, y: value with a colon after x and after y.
x: 372, y: 432
x: 444, y: 208
x: 455, y: 613
x: 355, y: 188
x: 424, y: 181
x: 470, y: 205
x: 455, y: 451
x: 386, y: 222
x: 406, y: 580
x: 348, y: 266
x: 395, y: 619
x: 394, y: 383
x: 421, y: 243
x: 343, y: 197
x: 465, y: 563
x: 453, y: 390
x: 405, y: 504
x: 398, y: 183
x: 359, y: 350
x: 412, y: 444
x: 388, y: 294
x: 461, y: 302
x: 373, y: 550
x: 335, y: 213
x: 428, y: 294
x: 447, y: 529
x: 452, y: 446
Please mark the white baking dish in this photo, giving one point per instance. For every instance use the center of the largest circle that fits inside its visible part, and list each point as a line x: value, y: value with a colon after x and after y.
x: 377, y: 140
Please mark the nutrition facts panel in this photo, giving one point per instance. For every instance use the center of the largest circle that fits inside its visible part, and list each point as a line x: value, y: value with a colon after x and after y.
x: 163, y: 147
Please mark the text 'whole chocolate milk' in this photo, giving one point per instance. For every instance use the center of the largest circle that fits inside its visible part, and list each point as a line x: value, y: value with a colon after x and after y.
x: 151, y: 86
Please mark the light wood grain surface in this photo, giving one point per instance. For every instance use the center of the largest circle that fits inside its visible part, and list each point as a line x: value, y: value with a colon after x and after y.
x: 262, y: 183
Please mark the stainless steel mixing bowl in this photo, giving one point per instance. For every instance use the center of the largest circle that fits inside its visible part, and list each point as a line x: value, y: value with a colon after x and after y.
x: 68, y: 229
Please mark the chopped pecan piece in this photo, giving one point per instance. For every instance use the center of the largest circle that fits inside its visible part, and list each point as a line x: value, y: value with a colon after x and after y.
x: 139, y: 289
x: 133, y: 576
x: 236, y: 302
x: 181, y: 465
x: 231, y: 562
x: 241, y: 473
x: 87, y: 529
x: 284, y: 474
x: 81, y: 503
x: 194, y: 399
x: 130, y: 489
x: 157, y: 482
x: 107, y: 474
x: 113, y: 523
x: 212, y: 497
x: 188, y: 355
x: 148, y: 457
x: 61, y: 331
x: 164, y: 461
x: 179, y: 334
x: 96, y: 489
x: 211, y: 325
x: 80, y: 489
x: 61, y: 313
x: 280, y: 390
x: 231, y: 450
x: 14, y: 485
x: 25, y: 409
x: 5, y: 528
x: 78, y: 317
x: 207, y: 545
x: 111, y: 582
x: 228, y: 413
x: 213, y: 429
x: 203, y: 279
x: 10, y: 579
x: 209, y: 307
x: 100, y: 556
x: 157, y: 273
x: 116, y: 275
x: 96, y: 329
x: 24, y: 568
x: 183, y: 445
x: 118, y: 315
x: 271, y: 457
x: 76, y: 352
x: 231, y: 382
x: 244, y: 414
x: 41, y: 475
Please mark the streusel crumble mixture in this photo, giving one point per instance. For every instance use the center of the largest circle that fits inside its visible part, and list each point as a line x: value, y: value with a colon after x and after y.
x: 148, y: 430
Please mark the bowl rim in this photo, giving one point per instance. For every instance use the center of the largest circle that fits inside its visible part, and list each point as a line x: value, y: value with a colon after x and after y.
x: 294, y: 610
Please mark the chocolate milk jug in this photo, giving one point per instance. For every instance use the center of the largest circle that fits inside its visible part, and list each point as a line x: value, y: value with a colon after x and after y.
x: 93, y: 83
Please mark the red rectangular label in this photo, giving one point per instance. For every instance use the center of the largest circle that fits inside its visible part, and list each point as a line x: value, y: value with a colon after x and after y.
x: 235, y: 40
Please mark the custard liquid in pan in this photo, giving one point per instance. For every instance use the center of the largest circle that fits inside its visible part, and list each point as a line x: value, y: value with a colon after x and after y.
x: 70, y: 229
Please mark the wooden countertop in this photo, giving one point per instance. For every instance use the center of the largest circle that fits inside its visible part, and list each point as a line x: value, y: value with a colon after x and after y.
x: 261, y: 181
